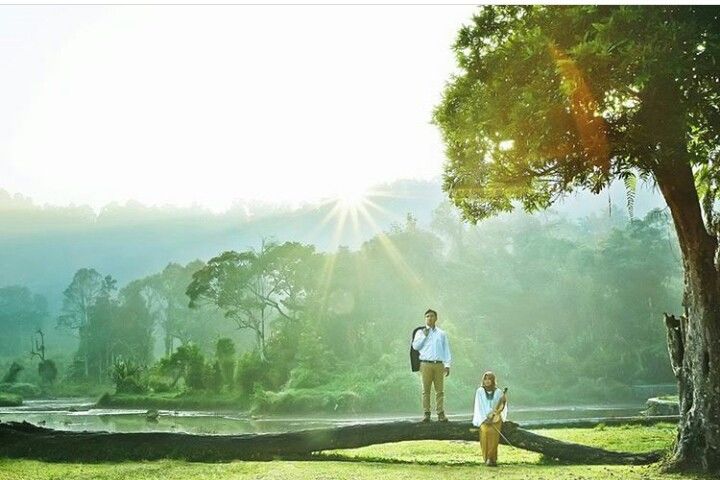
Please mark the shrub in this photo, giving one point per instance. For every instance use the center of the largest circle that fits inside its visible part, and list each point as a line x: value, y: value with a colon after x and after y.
x: 76, y: 371
x: 301, y: 377
x: 158, y: 386
x: 225, y: 354
x: 396, y: 390
x: 306, y: 400
x: 186, y: 362
x: 10, y: 400
x: 12, y: 373
x: 128, y: 377
x: 25, y: 390
x: 47, y: 371
x: 249, y: 372
x: 195, y: 377
x: 214, y: 379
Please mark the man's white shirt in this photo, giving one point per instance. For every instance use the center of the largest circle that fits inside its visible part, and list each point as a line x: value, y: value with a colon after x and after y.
x: 434, y: 346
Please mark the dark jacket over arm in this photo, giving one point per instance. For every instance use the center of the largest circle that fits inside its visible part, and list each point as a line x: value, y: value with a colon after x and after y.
x: 414, y: 354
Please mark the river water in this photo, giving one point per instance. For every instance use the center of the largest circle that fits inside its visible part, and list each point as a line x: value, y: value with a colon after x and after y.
x: 79, y: 415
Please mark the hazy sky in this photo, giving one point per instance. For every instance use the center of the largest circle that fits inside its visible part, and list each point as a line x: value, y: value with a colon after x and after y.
x: 191, y: 104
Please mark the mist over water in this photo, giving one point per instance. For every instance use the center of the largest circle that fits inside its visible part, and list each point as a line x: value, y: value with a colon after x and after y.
x: 79, y: 415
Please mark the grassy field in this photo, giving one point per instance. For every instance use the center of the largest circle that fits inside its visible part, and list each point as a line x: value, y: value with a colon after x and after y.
x: 406, y: 460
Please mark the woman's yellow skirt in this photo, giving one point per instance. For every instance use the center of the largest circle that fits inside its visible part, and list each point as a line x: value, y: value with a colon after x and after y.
x: 489, y: 440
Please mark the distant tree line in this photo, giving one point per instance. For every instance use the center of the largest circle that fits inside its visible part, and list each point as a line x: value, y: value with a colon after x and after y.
x: 571, y: 304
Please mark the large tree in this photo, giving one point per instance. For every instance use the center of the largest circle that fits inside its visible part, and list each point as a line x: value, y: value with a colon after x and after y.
x: 254, y: 287
x: 78, y: 299
x: 86, y: 286
x: 550, y: 99
x: 21, y: 314
x: 165, y: 295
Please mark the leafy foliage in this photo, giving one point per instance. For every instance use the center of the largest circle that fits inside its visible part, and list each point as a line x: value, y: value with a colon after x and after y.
x: 555, y: 98
x: 47, y: 370
x: 253, y: 287
x: 579, y: 298
x: 128, y: 377
x: 12, y: 373
x: 21, y: 313
x: 225, y: 355
x: 186, y: 362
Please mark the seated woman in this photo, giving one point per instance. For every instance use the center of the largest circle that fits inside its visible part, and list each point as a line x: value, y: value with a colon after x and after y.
x: 489, y: 413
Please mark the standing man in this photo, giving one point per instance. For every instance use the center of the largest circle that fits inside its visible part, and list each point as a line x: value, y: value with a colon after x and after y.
x: 434, y: 348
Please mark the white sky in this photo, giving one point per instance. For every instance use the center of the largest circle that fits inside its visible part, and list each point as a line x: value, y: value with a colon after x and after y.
x: 210, y: 104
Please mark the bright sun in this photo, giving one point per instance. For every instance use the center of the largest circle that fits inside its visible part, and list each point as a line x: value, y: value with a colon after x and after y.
x: 352, y: 198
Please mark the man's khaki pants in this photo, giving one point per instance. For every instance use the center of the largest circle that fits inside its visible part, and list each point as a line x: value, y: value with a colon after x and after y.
x: 432, y: 374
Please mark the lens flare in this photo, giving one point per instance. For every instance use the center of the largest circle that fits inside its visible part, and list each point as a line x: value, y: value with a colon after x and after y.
x: 591, y: 126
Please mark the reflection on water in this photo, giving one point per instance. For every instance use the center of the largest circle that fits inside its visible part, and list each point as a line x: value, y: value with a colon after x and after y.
x: 78, y: 415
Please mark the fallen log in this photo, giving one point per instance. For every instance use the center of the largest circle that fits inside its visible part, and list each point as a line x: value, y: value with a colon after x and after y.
x: 24, y: 440
x: 571, y: 452
x: 594, y: 422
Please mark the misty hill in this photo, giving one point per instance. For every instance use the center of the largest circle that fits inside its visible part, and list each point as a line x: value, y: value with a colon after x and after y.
x: 42, y: 246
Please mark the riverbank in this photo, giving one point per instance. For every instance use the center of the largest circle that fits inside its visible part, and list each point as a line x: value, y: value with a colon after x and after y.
x: 341, y: 398
x: 666, y: 405
x: 174, y: 401
x: 417, y: 460
x: 224, y: 402
x: 10, y: 400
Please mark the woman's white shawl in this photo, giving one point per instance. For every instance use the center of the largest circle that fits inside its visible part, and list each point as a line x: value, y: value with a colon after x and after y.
x: 483, y: 406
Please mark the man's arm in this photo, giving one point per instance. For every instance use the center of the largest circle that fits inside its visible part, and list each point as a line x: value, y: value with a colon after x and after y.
x: 419, y: 339
x: 446, y: 354
x: 446, y: 351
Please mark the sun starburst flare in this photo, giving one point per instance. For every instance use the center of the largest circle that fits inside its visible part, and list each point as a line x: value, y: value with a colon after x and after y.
x: 354, y: 213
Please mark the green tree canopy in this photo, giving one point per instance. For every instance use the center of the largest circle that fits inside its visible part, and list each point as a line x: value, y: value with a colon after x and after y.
x: 551, y: 99
x: 254, y: 287
x: 166, y: 299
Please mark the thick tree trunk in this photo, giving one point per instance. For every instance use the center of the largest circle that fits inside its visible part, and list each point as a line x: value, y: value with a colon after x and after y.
x: 698, y: 376
x: 22, y: 440
x: 694, y: 339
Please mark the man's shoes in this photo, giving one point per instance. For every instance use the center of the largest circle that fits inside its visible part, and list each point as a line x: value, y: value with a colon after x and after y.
x: 442, y: 417
x: 426, y: 418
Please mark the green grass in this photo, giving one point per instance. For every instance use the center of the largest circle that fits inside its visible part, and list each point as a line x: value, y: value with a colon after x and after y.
x: 432, y: 460
x: 319, y: 470
x: 623, y: 438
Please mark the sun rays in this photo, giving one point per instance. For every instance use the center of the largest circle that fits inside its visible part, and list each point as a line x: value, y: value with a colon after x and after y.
x: 352, y: 216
